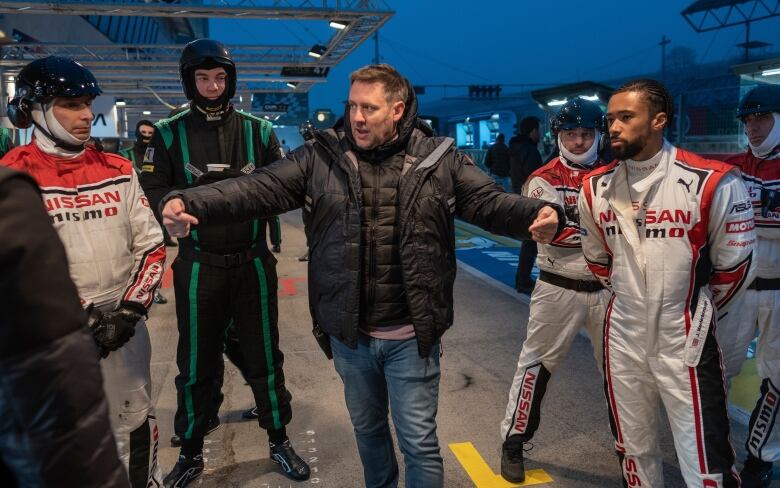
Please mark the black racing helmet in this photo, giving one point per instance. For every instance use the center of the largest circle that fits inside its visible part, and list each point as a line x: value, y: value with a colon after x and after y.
x: 761, y: 99
x: 205, y: 54
x: 47, y: 78
x: 579, y: 112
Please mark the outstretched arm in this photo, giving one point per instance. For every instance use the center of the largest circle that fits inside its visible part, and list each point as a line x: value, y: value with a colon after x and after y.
x: 268, y: 191
x: 481, y: 201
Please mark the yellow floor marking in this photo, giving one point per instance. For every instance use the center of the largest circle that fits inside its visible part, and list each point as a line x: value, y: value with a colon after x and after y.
x: 484, y: 477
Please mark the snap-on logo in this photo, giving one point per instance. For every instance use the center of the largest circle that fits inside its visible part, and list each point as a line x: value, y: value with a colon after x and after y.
x: 740, y: 226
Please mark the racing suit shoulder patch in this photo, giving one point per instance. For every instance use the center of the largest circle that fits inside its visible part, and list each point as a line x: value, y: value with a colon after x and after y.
x: 164, y: 126
x: 265, y: 126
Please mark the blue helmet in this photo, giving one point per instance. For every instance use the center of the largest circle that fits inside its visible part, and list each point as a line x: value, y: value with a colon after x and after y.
x: 761, y: 99
x: 579, y: 112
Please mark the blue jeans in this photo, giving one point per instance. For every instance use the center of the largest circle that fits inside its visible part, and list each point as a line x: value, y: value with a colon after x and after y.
x: 380, y: 370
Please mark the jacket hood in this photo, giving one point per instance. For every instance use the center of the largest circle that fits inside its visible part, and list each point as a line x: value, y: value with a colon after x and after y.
x: 406, y: 126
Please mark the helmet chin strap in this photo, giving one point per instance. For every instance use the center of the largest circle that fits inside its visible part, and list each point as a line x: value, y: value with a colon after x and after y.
x: 587, y: 159
x: 57, y: 140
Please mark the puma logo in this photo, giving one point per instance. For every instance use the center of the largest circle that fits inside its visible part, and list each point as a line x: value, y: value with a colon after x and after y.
x: 686, y: 185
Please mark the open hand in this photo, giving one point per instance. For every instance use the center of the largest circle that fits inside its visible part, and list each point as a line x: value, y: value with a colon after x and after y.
x: 545, y: 226
x: 176, y: 220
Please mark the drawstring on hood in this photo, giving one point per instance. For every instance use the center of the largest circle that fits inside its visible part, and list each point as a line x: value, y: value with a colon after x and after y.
x: 51, y: 137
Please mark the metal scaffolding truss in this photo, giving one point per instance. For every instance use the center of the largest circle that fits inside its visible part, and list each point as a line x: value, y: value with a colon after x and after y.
x: 233, y: 9
x: 155, y: 66
x: 361, y: 18
x: 708, y: 15
x: 151, y: 55
x: 144, y: 74
x: 174, y: 88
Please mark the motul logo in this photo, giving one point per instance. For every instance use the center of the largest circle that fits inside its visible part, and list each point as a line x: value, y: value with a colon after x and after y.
x: 741, y: 226
x: 526, y: 395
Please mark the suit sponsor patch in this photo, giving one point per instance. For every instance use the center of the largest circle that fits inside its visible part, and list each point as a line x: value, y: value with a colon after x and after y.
x: 741, y: 207
x: 149, y: 155
x: 740, y: 226
x: 147, y: 168
x: 536, y: 192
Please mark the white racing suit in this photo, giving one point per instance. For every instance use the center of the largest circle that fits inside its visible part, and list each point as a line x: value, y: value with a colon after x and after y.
x: 759, y: 308
x: 553, y: 326
x: 116, y: 256
x: 671, y: 258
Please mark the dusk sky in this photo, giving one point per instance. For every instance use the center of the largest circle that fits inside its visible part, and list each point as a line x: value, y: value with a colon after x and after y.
x: 505, y: 42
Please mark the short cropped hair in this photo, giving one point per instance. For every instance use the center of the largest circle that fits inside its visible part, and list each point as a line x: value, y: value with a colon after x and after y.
x: 528, y: 124
x: 396, y: 88
x: 655, y: 93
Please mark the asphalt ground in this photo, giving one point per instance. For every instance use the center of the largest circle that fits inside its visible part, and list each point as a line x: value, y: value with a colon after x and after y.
x: 573, y: 445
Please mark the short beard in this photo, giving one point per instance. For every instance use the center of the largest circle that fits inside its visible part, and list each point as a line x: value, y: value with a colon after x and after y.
x: 630, y: 149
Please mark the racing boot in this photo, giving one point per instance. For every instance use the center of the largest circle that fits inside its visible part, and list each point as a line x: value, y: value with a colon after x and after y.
x: 512, y: 466
x: 159, y: 298
x: 756, y: 473
x: 250, y: 414
x: 185, y: 471
x: 291, y: 464
x: 213, y: 425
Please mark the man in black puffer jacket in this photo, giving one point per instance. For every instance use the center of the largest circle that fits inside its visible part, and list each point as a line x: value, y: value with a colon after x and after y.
x: 54, y: 427
x: 380, y: 195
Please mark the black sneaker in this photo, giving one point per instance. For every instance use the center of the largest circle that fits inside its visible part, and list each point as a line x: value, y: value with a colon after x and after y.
x: 277, y: 248
x: 756, y: 473
x: 292, y: 465
x: 512, y: 466
x: 250, y: 414
x: 213, y: 425
x: 159, y: 298
x: 185, y: 470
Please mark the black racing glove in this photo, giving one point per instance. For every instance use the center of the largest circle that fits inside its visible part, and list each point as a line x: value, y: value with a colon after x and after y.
x: 94, y: 324
x: 113, y: 329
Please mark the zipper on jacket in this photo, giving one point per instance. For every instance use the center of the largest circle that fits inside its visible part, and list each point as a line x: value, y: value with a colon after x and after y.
x: 372, y: 243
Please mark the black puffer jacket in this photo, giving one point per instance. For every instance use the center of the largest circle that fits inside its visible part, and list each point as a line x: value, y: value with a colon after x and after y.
x: 54, y: 426
x: 383, y: 296
x: 205, y: 142
x: 321, y: 177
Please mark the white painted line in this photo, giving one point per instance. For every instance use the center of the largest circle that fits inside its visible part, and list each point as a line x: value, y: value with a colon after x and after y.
x: 494, y: 283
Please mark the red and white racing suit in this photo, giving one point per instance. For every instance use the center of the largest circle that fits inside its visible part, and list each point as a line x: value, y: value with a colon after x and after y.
x: 759, y: 308
x: 564, y: 279
x: 686, y: 244
x: 116, y: 256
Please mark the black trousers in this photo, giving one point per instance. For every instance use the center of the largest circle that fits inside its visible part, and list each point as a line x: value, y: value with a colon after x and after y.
x: 275, y: 231
x: 208, y: 298
x: 525, y: 264
x: 234, y: 354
